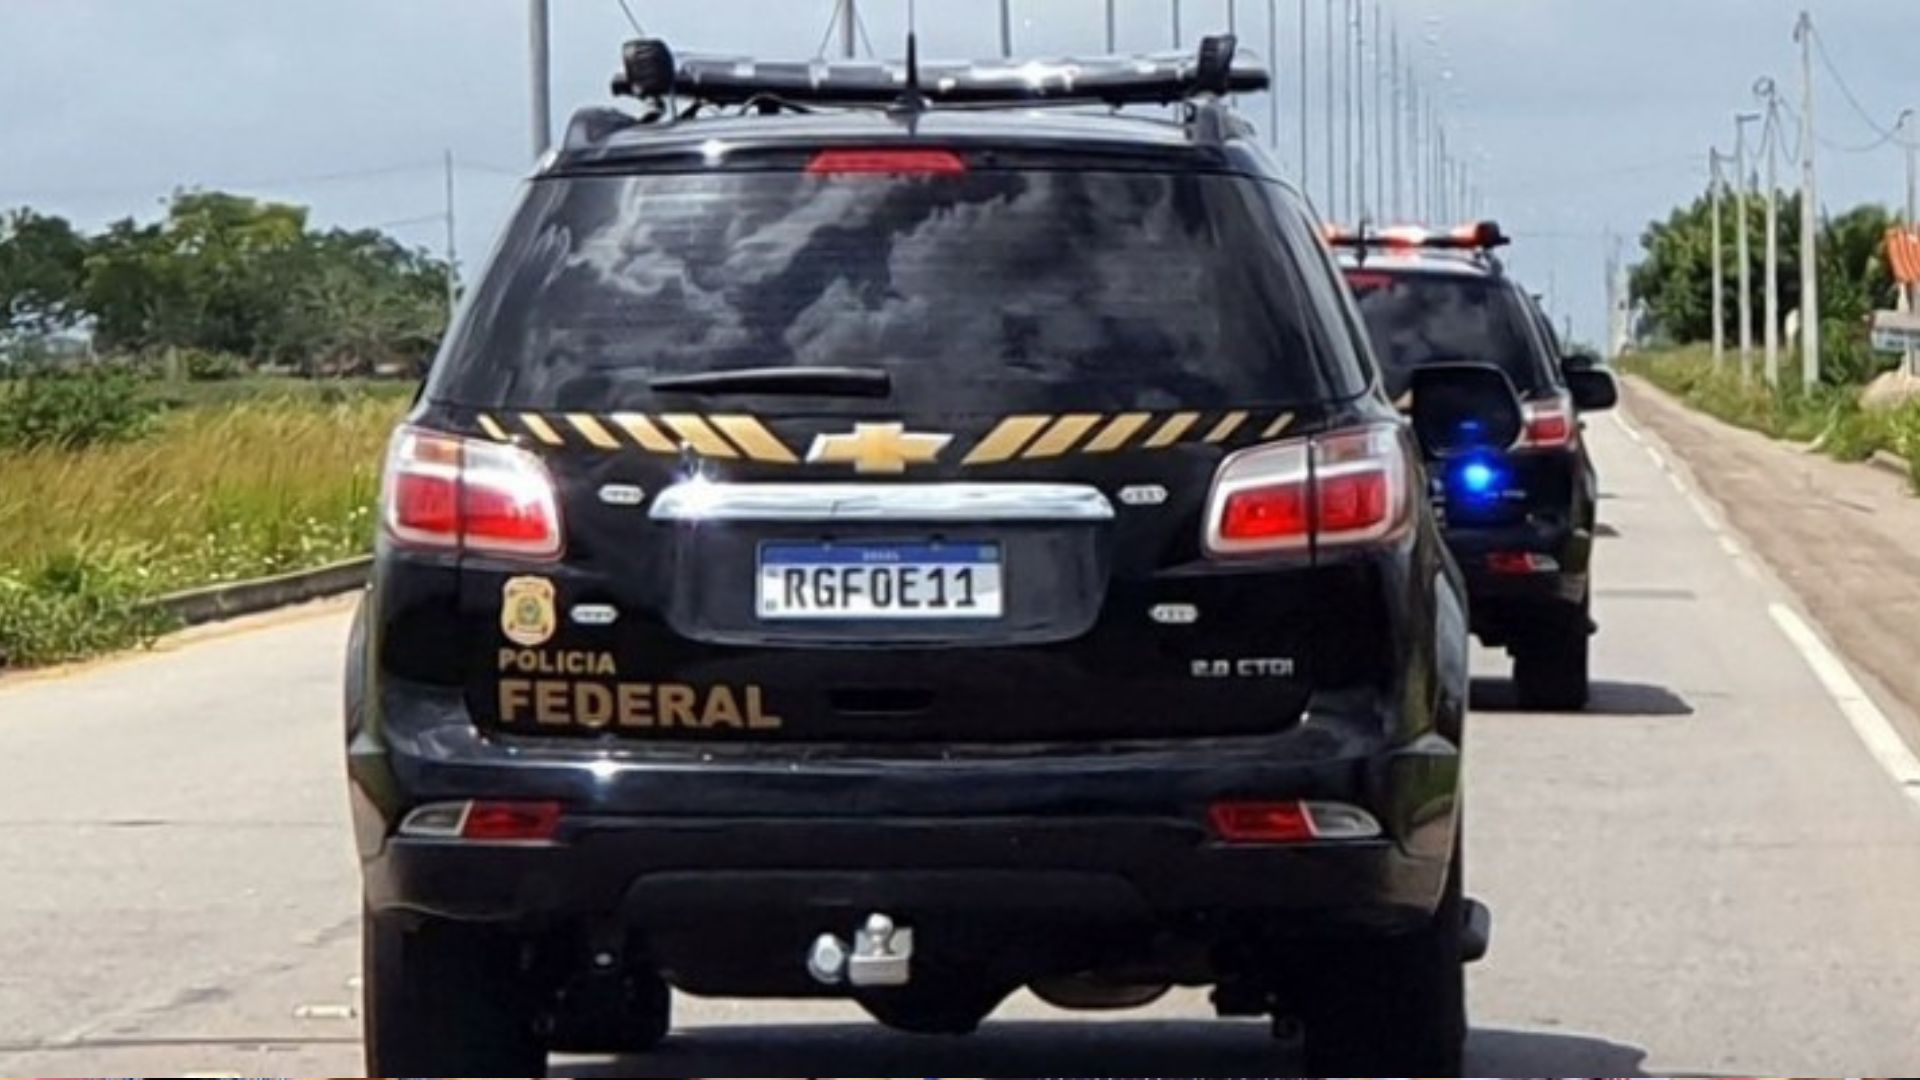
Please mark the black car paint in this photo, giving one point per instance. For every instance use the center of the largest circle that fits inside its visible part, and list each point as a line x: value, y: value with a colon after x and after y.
x: 1551, y: 505
x: 802, y: 832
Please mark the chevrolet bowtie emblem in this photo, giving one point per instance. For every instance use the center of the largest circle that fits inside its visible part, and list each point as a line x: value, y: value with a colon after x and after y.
x: 878, y: 449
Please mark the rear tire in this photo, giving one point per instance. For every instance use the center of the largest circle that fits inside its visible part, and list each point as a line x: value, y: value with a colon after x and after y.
x: 1551, y: 665
x: 1393, y: 1007
x: 445, y: 1000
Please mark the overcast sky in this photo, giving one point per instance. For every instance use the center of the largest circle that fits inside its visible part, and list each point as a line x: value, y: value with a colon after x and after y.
x: 1583, y: 116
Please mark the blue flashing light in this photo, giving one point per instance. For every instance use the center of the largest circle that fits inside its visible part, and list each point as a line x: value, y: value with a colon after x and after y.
x: 1480, y: 479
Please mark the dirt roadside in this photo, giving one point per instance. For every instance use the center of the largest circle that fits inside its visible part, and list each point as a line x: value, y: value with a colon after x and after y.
x: 1844, y: 538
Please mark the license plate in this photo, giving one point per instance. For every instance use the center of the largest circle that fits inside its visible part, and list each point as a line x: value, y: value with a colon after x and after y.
x: 880, y: 581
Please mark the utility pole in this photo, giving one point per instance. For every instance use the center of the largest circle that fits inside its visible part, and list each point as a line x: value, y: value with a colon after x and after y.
x: 1346, y: 112
x: 1744, y: 245
x: 1360, y: 107
x: 453, y: 253
x: 1177, y: 42
x: 1006, y: 27
x: 1399, y: 112
x: 1333, y: 152
x: 1719, y: 267
x: 1767, y: 90
x: 1306, y: 120
x: 1380, y: 207
x: 1809, y: 216
x: 541, y: 51
x: 1907, y: 129
x: 1113, y: 28
x: 1415, y: 148
x: 1273, y: 58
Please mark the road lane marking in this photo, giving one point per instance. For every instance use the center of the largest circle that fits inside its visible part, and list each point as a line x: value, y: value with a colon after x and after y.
x: 1875, y: 730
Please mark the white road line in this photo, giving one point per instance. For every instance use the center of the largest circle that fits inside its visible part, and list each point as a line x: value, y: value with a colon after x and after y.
x: 1872, y: 725
x: 1869, y: 723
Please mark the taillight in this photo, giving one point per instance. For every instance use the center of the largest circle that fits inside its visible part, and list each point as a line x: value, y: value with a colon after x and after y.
x: 1341, y: 489
x: 1290, y: 822
x: 455, y: 494
x: 887, y: 163
x: 1550, y: 424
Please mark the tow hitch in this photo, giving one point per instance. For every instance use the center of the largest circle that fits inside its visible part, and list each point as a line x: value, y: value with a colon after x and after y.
x: 881, y: 956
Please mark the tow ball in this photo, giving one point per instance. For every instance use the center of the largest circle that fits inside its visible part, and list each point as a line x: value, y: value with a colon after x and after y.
x: 881, y: 955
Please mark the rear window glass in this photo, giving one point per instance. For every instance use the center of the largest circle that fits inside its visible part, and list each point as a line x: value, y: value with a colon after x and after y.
x: 1418, y: 319
x: 990, y: 291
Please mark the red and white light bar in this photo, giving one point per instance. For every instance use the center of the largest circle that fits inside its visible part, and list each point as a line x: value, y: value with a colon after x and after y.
x: 1476, y: 236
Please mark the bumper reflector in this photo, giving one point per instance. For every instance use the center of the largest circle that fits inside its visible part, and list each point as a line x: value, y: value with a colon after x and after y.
x: 485, y: 822
x: 1291, y: 822
x: 1522, y: 562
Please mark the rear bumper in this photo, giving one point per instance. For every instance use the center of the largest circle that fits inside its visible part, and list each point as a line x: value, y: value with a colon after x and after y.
x: 1498, y: 598
x: 804, y: 840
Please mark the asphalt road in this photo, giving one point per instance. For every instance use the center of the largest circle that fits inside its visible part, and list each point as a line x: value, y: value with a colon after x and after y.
x: 1708, y: 873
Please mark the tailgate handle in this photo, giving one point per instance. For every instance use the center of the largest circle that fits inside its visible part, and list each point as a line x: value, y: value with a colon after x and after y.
x: 706, y: 501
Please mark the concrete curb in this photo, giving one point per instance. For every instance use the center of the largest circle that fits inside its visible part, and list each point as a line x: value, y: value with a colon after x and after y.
x: 1882, y: 460
x: 1891, y: 463
x: 200, y: 606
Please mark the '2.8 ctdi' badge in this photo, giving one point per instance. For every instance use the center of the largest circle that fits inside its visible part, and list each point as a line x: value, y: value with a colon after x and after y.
x: 528, y: 615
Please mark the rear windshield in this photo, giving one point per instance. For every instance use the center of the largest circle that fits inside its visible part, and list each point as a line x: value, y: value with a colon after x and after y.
x: 1421, y: 318
x: 992, y: 290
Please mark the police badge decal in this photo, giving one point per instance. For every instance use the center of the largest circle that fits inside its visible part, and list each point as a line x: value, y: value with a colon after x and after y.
x: 528, y: 614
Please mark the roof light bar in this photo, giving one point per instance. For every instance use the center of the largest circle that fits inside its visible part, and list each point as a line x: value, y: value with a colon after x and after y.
x: 1475, y: 236
x: 1158, y: 78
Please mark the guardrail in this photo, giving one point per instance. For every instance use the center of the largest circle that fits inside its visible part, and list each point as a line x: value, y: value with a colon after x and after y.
x: 234, y: 599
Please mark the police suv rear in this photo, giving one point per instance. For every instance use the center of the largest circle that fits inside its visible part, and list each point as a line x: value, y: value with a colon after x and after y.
x: 1521, y: 519
x: 870, y: 536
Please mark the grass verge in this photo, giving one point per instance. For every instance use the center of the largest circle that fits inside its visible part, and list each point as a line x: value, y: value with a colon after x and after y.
x: 215, y: 493
x: 1829, y: 418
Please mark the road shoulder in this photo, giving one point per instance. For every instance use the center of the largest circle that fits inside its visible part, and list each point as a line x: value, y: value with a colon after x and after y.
x: 1843, y: 539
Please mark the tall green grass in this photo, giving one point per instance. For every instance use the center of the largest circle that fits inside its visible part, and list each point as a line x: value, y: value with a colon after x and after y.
x: 1829, y: 418
x: 214, y: 494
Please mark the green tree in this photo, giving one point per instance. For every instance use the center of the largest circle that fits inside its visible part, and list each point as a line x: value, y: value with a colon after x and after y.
x: 42, y: 268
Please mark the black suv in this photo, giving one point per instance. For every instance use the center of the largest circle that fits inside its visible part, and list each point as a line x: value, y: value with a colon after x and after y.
x: 1520, y: 519
x: 861, y: 542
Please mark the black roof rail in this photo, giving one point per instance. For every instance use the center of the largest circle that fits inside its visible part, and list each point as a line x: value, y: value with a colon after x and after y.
x: 653, y: 73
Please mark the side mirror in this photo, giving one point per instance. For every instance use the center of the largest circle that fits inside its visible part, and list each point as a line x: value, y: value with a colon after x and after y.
x: 1594, y: 389
x: 1463, y: 408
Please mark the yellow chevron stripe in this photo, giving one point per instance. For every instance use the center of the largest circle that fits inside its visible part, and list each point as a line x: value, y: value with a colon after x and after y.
x: 694, y: 432
x: 1278, y: 427
x: 592, y: 431
x: 645, y: 432
x: 1065, y: 433
x: 541, y: 429
x: 1225, y: 429
x: 752, y: 436
x: 1173, y: 430
x: 1007, y: 439
x: 493, y: 429
x: 1117, y: 433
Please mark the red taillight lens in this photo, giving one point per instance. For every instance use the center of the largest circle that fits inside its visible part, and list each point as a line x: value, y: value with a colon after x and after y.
x: 887, y: 163
x: 1550, y: 424
x: 1262, y: 823
x: 511, y: 823
x: 446, y: 492
x: 1267, y: 513
x: 1345, y: 488
x: 1354, y: 502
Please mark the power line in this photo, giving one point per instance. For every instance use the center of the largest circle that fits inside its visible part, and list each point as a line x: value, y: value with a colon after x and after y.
x: 637, y: 28
x: 1889, y: 135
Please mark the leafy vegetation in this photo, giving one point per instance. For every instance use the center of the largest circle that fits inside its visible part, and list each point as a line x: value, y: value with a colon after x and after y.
x: 70, y: 410
x: 1675, y: 281
x: 229, y: 282
x: 212, y: 493
x: 1830, y: 418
